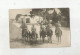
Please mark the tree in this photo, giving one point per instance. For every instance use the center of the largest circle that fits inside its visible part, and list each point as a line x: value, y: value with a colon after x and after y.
x: 36, y: 12
x: 47, y: 14
x: 17, y: 16
x: 39, y: 12
x: 65, y: 12
x: 53, y: 16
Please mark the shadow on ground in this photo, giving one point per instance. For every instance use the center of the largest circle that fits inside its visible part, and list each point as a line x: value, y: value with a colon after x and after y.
x: 30, y: 43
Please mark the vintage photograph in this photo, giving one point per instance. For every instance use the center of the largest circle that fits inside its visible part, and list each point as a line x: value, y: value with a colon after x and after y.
x: 39, y: 28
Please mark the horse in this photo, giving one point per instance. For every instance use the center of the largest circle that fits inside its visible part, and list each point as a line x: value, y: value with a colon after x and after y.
x: 58, y: 33
x: 49, y: 35
x: 28, y: 34
x: 24, y: 34
x: 43, y: 33
x: 34, y: 35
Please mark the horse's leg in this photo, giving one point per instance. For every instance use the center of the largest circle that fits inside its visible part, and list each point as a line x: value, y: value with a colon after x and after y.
x: 22, y: 37
x: 51, y: 39
x: 25, y: 38
x: 60, y: 39
x: 48, y: 39
x: 40, y: 36
x: 57, y: 38
x: 43, y: 40
x: 29, y: 37
x: 36, y: 37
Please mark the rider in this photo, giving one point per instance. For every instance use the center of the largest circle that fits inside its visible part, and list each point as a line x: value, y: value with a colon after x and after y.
x: 33, y: 29
x: 58, y: 32
x: 49, y: 33
x: 34, y: 34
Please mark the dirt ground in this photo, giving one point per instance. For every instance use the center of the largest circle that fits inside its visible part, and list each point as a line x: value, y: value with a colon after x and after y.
x: 16, y: 40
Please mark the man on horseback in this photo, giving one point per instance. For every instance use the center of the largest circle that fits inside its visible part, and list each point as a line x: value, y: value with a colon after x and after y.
x: 24, y: 33
x: 33, y: 29
x: 49, y: 33
x: 58, y: 32
x: 33, y: 34
x: 43, y: 32
x: 28, y: 34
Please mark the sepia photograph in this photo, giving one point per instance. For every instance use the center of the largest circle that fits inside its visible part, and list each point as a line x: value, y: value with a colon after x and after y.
x: 39, y: 28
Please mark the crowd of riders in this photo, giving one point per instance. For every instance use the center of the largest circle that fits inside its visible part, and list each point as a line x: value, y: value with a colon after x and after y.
x: 45, y: 31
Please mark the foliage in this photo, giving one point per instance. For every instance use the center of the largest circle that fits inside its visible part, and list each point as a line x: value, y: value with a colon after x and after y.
x: 65, y: 12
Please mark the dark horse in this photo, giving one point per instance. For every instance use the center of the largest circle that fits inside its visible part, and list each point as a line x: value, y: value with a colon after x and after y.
x: 33, y: 35
x: 28, y: 35
x: 24, y: 34
x: 49, y: 35
x: 43, y: 33
x: 58, y: 34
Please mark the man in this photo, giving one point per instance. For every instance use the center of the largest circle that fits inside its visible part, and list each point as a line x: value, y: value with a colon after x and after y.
x: 33, y: 29
x: 49, y: 33
x: 43, y: 32
x: 34, y: 35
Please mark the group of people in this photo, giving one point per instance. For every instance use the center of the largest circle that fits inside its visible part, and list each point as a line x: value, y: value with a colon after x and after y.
x: 45, y: 31
x: 31, y: 36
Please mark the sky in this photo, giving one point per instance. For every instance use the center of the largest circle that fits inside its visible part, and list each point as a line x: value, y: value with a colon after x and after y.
x: 14, y: 12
